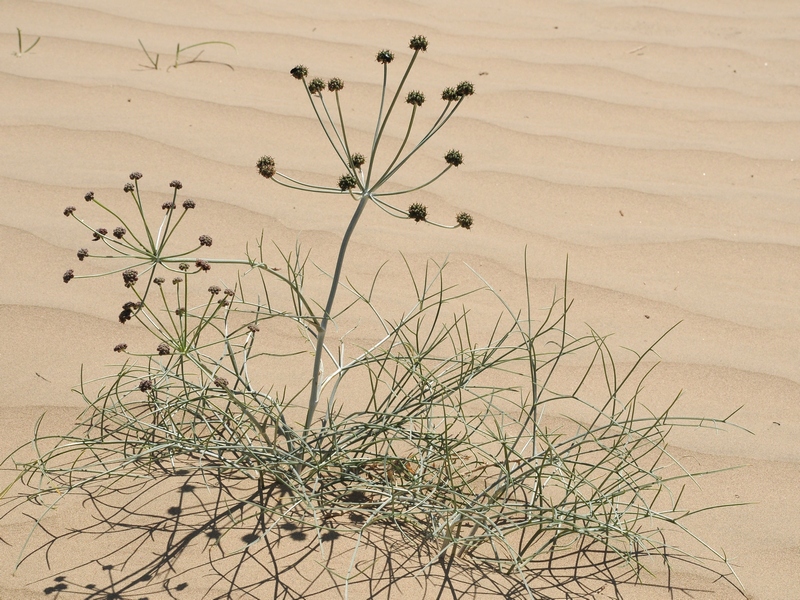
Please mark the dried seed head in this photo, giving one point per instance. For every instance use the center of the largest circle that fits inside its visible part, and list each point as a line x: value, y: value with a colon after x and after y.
x: 465, y: 88
x: 99, y: 233
x: 135, y: 176
x: 450, y: 94
x: 253, y: 328
x: 202, y: 265
x: 205, y: 240
x: 266, y: 166
x: 183, y: 266
x: 175, y: 184
x: 316, y: 85
x: 335, y: 84
x: 347, y: 182
x: 418, y: 212
x: 454, y: 158
x: 124, y: 316
x: 229, y: 292
x: 128, y: 187
x: 214, y: 289
x: 119, y: 232
x: 418, y: 42
x: 385, y: 57
x: 223, y: 302
x: 89, y: 196
x: 180, y: 311
x: 83, y: 253
x: 299, y: 72
x: 68, y: 276
x: 464, y: 220
x: 168, y: 206
x: 69, y: 210
x: 415, y: 97
x: 120, y: 347
x: 177, y: 280
x: 163, y: 349
x: 220, y: 382
x: 130, y: 277
x: 187, y: 204
x: 145, y: 385
x: 131, y: 306
x: 358, y: 160
x: 159, y: 280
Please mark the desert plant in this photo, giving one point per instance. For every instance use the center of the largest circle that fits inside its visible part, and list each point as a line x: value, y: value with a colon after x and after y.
x: 448, y: 441
x: 178, y: 51
x: 20, y: 51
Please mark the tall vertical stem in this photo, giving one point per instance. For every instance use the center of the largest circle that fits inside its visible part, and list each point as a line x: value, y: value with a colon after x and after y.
x: 314, y: 400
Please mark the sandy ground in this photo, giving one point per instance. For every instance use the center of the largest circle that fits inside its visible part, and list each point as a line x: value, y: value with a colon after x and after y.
x: 657, y: 146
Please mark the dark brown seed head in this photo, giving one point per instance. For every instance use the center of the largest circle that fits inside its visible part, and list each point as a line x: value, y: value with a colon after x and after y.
x: 83, y: 253
x: 202, y: 265
x: 125, y: 316
x: 223, y: 302
x: 299, y: 72
x: 159, y: 280
x: 69, y: 275
x: 316, y: 85
x: 418, y: 42
x: 221, y: 382
x: 347, y: 182
x: 418, y: 212
x: 454, y: 158
x: 205, y: 240
x: 464, y: 220
x: 450, y: 94
x: 214, y: 289
x: 177, y: 280
x: 183, y: 266
x: 253, y: 328
x: 229, y: 292
x: 135, y: 176
x: 69, y: 210
x: 131, y: 306
x: 465, y: 88
x: 335, y: 84
x: 415, y: 98
x: 120, y: 347
x: 145, y: 385
x: 385, y: 57
x: 99, y: 233
x: 119, y: 232
x: 89, y: 196
x: 168, y: 206
x: 163, y: 349
x: 266, y: 166
x: 130, y: 277
x: 358, y: 160
x: 175, y: 184
x: 180, y: 311
x: 187, y: 204
x: 128, y: 187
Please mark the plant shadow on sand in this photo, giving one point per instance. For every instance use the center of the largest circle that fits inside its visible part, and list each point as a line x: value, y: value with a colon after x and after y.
x: 172, y: 538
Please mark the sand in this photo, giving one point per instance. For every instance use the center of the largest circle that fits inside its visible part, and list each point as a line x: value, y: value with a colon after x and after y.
x: 655, y: 146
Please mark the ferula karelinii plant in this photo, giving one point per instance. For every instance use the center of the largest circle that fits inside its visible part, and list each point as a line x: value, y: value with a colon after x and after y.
x: 365, y: 176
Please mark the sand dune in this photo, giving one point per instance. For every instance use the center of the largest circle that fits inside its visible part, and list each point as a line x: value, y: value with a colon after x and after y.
x: 655, y: 146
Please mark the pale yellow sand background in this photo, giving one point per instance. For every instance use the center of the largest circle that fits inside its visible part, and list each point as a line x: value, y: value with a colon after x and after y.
x: 656, y: 144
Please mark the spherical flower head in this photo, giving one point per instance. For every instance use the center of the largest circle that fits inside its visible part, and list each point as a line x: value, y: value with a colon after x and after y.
x: 68, y: 276
x: 187, y: 204
x: 177, y: 280
x: 183, y: 266
x: 202, y: 265
x: 266, y: 166
x: 69, y: 210
x: 221, y: 382
x: 418, y: 42
x: 128, y: 187
x: 347, y: 182
x: 175, y: 184
x: 214, y: 290
x: 299, y: 72
x: 316, y: 85
x: 130, y: 277
x: 450, y: 94
x: 335, y: 84
x: 205, y: 240
x: 99, y: 233
x: 358, y: 160
x: 454, y: 158
x: 464, y: 220
x: 145, y: 385
x: 83, y: 253
x: 135, y: 176
x: 253, y: 328
x: 385, y: 57
x: 89, y: 196
x: 416, y: 98
x: 159, y: 280
x: 120, y: 347
x: 418, y: 212
x: 229, y: 292
x: 168, y: 206
x: 465, y: 88
x: 119, y: 232
x: 163, y: 349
